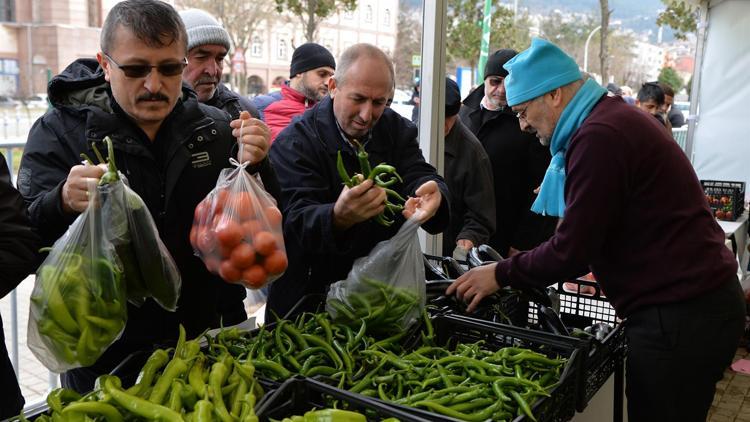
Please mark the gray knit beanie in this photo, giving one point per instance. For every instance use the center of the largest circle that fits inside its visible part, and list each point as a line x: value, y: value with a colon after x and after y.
x: 203, y: 29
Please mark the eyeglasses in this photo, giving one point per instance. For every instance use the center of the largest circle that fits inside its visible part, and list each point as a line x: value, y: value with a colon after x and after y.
x: 522, y: 114
x: 143, y: 70
x: 494, y: 81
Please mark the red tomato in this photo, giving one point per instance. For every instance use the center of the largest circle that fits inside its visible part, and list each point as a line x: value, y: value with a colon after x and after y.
x: 229, y: 234
x: 255, y: 276
x: 220, y: 199
x: 194, y: 237
x: 243, y: 256
x: 276, y: 262
x: 273, y: 215
x: 229, y: 272
x: 251, y: 227
x: 200, y: 213
x: 243, y: 206
x: 206, y: 241
x: 264, y: 243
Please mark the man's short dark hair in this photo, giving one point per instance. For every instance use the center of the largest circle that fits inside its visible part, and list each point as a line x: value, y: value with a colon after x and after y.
x: 668, y: 91
x: 651, y: 91
x: 154, y: 22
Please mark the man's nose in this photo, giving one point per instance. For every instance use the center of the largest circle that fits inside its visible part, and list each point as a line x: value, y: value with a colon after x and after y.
x: 212, y: 68
x: 524, y: 125
x: 365, y: 113
x: 153, y: 81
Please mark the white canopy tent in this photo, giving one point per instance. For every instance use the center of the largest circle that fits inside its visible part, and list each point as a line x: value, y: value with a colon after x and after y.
x: 717, y: 138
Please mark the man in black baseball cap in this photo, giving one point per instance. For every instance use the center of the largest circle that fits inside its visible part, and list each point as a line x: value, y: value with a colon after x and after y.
x: 468, y: 175
x: 311, y: 68
x: 518, y: 160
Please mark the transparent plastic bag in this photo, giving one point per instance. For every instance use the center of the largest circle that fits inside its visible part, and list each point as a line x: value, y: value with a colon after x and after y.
x: 78, y: 304
x: 147, y: 266
x: 237, y: 230
x: 385, y: 289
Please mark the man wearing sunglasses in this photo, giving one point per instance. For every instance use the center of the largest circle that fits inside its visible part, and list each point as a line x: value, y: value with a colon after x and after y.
x: 170, y: 147
x: 634, y: 214
x: 518, y: 161
x: 208, y: 44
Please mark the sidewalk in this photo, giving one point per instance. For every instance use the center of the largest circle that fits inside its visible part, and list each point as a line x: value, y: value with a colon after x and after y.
x: 32, y: 375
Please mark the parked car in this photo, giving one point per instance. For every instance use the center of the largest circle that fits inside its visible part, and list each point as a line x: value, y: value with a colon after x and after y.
x: 401, y: 103
x: 37, y: 101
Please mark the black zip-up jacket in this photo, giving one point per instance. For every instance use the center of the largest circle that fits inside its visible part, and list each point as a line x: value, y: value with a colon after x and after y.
x: 519, y: 162
x: 468, y: 174
x: 18, y: 258
x: 304, y: 156
x: 232, y: 102
x: 195, y: 144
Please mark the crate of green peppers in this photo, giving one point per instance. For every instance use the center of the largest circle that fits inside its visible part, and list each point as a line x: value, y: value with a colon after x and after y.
x: 307, y: 400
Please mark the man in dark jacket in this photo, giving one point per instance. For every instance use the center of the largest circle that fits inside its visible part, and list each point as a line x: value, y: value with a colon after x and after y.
x: 518, y: 161
x: 170, y: 147
x: 468, y: 174
x: 327, y: 225
x: 18, y: 258
x: 208, y: 44
x: 666, y: 269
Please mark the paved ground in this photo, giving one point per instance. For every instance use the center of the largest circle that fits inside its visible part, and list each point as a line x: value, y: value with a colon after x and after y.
x: 732, y: 400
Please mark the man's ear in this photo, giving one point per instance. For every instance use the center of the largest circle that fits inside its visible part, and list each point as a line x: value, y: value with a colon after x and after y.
x: 104, y: 63
x: 332, y: 87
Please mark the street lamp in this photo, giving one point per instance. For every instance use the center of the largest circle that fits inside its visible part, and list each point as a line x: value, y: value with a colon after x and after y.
x: 586, y: 46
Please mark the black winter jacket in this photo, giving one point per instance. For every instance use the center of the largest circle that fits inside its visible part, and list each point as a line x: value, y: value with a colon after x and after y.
x: 468, y: 174
x: 18, y: 258
x: 304, y: 156
x: 196, y: 143
x: 519, y: 162
x: 231, y: 102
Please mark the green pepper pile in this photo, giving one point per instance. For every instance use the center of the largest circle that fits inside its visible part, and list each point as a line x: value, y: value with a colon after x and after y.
x: 79, y: 307
x: 384, y: 308
x: 331, y: 415
x: 192, y: 385
x: 382, y: 175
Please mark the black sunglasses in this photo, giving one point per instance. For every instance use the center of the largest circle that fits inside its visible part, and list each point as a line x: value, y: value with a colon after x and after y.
x: 142, y: 70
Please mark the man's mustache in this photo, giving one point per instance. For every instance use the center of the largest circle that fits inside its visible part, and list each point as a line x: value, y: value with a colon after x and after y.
x: 207, y: 80
x: 152, y: 97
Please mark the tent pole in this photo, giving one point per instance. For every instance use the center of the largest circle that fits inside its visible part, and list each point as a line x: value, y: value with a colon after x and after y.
x: 695, y: 88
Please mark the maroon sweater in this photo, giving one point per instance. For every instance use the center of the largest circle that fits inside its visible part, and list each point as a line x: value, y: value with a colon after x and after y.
x: 635, y: 215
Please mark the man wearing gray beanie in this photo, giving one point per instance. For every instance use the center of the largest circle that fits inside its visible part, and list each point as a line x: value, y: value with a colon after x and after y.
x: 208, y: 45
x: 518, y: 160
x: 311, y: 68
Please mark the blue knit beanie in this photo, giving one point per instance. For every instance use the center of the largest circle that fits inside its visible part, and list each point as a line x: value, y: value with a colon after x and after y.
x: 538, y: 70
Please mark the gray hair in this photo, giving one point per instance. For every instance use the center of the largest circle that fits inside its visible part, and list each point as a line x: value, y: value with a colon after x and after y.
x: 354, y: 53
x: 154, y: 22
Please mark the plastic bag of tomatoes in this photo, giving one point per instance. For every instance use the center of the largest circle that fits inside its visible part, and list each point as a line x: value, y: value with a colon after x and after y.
x: 237, y: 231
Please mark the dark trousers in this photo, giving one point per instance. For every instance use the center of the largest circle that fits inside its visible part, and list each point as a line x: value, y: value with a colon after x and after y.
x: 11, y: 400
x: 678, y: 352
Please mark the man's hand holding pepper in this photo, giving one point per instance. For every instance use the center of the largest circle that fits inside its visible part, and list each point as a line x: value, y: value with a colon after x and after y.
x: 425, y: 203
x: 256, y: 138
x: 475, y: 285
x: 357, y: 204
x: 75, y: 191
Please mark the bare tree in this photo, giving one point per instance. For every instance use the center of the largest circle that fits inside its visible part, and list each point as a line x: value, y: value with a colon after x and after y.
x: 408, y: 44
x: 603, y: 47
x: 241, y: 19
x: 312, y: 12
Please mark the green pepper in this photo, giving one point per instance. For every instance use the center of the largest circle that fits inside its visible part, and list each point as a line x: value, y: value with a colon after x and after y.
x: 203, y: 411
x: 175, y: 368
x: 334, y: 415
x: 216, y: 378
x: 156, y: 361
x: 137, y: 405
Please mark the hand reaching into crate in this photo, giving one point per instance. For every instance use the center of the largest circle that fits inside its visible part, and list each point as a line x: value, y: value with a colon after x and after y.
x: 475, y: 285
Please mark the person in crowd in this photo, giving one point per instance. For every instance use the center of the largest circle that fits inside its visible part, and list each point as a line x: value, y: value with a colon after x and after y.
x: 277, y: 83
x: 468, y: 174
x: 327, y: 225
x: 676, y: 119
x: 627, y: 94
x: 518, y: 161
x: 208, y: 44
x: 614, y: 89
x: 18, y: 259
x: 415, y: 101
x: 666, y: 269
x: 170, y: 146
x: 651, y: 100
x: 312, y: 66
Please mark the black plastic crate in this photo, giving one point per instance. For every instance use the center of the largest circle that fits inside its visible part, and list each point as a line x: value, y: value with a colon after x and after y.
x: 600, y: 359
x: 560, y: 406
x: 505, y: 306
x: 726, y: 198
x: 299, y: 395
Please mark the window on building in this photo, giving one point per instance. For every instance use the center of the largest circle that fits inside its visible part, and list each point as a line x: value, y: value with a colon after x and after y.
x: 256, y: 48
x: 387, y: 17
x: 368, y: 13
x: 281, y: 51
x: 7, y: 10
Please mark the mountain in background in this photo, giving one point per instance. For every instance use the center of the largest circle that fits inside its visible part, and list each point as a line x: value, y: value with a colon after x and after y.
x: 638, y: 15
